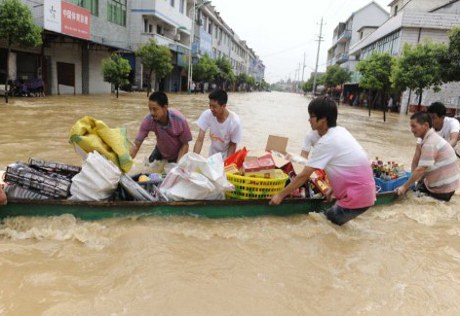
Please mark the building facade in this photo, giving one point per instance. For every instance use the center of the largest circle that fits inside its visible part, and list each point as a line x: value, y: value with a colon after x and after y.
x: 348, y: 33
x: 79, y: 34
x: 412, y: 22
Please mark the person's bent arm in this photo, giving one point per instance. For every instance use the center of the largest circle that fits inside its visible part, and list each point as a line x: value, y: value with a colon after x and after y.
x: 231, y: 149
x: 453, y: 139
x: 416, y: 158
x: 3, y: 199
x: 199, y: 142
x: 182, y: 151
x: 305, y: 154
x: 298, y: 181
x: 417, y: 174
x: 135, y: 148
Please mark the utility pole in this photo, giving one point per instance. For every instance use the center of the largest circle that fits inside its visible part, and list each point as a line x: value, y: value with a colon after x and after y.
x: 303, y: 68
x: 320, y: 39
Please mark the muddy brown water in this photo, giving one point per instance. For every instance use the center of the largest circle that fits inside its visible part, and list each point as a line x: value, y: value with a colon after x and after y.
x: 402, y: 259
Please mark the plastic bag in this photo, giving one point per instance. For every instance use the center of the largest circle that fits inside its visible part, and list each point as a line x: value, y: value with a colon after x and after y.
x: 97, y: 180
x: 197, y: 178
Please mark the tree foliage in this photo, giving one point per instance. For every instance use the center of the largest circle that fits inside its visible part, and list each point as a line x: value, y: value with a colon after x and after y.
x: 336, y: 75
x: 205, y: 70
x: 225, y: 74
x: 308, y: 85
x: 450, y: 61
x: 17, y: 27
x: 155, y: 59
x: 419, y: 68
x: 376, y: 75
x: 116, y: 70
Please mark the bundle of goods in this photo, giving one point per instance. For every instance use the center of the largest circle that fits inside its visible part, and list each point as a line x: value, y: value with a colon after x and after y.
x: 388, y: 176
x: 254, y: 177
x: 39, y: 179
x: 315, y: 187
x: 151, y: 183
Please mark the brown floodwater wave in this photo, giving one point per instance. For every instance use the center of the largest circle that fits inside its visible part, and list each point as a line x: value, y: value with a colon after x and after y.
x: 401, y: 259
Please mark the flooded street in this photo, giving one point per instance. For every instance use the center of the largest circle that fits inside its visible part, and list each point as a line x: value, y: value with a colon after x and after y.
x: 402, y: 259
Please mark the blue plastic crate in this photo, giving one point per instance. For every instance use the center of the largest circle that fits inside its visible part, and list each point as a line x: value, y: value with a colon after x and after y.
x: 390, y: 185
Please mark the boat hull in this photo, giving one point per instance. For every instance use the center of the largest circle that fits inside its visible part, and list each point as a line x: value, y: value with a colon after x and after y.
x: 208, y: 209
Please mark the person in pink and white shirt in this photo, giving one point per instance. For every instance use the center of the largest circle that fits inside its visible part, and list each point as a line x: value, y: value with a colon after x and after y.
x: 345, y: 162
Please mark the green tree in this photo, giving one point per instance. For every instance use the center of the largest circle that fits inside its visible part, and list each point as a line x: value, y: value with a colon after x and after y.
x: 251, y: 81
x: 17, y: 27
x: 308, y: 85
x: 450, y: 60
x: 225, y: 75
x: 419, y: 68
x: 336, y: 75
x: 116, y: 71
x: 205, y: 70
x: 376, y: 76
x: 155, y: 59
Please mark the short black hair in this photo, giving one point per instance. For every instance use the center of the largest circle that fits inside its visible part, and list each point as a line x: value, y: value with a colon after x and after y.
x: 220, y: 96
x: 324, y: 107
x: 422, y: 118
x: 437, y: 108
x: 159, y: 97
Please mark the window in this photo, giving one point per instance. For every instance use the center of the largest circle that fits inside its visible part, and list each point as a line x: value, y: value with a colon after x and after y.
x: 182, y: 6
x: 159, y: 30
x: 146, y: 25
x: 116, y: 11
x: 210, y: 28
x: 91, y: 5
x: 172, y: 3
x: 396, y: 10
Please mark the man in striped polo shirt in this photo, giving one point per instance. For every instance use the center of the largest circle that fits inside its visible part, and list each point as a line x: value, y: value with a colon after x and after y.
x: 436, y: 168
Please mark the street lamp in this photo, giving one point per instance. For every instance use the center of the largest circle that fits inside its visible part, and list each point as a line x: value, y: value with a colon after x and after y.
x: 195, y: 7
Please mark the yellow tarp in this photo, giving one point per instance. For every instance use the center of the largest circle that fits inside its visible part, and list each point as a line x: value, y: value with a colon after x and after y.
x: 92, y: 134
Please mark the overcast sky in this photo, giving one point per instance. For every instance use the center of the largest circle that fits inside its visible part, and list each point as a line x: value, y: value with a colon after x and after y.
x: 280, y: 32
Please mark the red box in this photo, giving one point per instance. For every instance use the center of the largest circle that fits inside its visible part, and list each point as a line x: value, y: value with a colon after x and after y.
x: 253, y: 164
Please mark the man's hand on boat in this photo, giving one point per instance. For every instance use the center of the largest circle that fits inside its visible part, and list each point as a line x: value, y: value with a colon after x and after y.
x: 3, y: 199
x: 299, y: 180
x: 401, y: 190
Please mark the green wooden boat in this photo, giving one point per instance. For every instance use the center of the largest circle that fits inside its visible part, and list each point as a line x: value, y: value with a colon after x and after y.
x: 209, y: 209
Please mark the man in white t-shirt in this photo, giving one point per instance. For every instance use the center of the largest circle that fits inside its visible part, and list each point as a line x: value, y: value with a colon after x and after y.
x: 345, y: 162
x: 446, y: 127
x: 224, y: 126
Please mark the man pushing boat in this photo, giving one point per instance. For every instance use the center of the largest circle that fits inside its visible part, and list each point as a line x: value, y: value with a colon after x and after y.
x: 345, y: 162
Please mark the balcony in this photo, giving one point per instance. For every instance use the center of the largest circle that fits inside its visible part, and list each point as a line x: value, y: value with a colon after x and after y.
x: 344, y: 37
x: 165, y: 41
x: 342, y: 58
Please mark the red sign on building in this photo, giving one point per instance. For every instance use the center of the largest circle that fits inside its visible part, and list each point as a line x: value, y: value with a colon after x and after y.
x: 75, y: 21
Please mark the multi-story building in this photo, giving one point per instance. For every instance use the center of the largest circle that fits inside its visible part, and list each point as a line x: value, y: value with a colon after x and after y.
x: 168, y: 23
x: 217, y: 39
x: 78, y: 34
x: 348, y: 33
x: 412, y: 22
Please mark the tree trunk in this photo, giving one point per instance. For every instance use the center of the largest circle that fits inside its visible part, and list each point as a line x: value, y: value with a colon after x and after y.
x: 384, y: 106
x: 149, y: 85
x: 369, y: 102
x: 7, y: 71
x: 116, y: 88
x: 419, y: 106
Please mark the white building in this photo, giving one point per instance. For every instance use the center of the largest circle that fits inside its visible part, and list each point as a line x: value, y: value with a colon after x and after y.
x: 169, y: 24
x: 412, y: 22
x: 348, y: 33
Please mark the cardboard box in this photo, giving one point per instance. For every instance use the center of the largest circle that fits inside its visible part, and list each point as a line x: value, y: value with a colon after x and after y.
x: 277, y: 143
x: 254, y: 164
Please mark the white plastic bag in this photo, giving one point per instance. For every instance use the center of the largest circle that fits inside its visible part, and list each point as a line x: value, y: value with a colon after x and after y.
x: 197, y: 178
x: 97, y: 180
